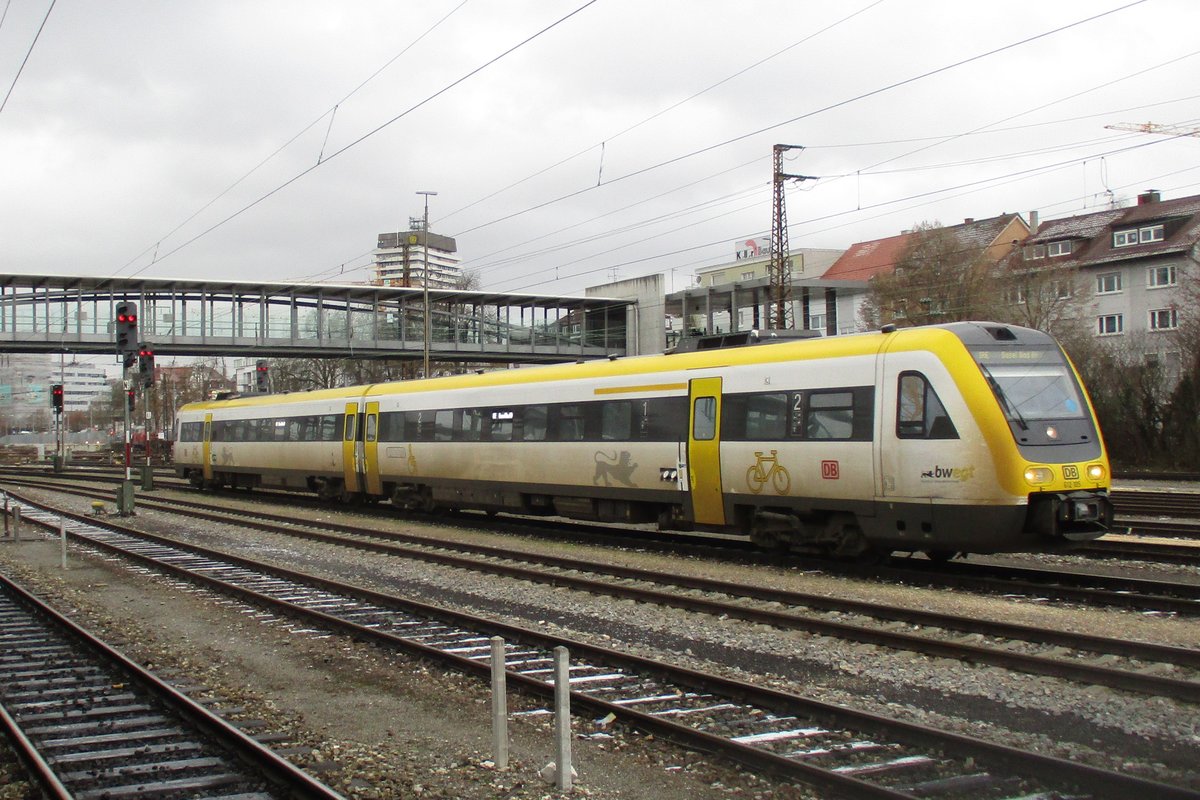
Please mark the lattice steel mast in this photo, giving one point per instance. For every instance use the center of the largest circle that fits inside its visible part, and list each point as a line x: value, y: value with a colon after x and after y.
x: 779, y: 271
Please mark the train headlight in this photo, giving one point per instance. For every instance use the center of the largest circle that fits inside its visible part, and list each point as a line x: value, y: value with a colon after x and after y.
x: 1095, y: 472
x: 1036, y: 476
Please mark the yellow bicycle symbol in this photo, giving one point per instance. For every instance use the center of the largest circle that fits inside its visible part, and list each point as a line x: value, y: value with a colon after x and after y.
x: 758, y: 475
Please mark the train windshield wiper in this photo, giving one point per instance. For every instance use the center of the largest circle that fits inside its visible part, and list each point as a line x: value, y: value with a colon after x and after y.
x: 1009, y: 407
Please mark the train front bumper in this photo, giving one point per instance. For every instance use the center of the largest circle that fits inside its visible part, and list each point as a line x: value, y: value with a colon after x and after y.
x: 1070, y: 516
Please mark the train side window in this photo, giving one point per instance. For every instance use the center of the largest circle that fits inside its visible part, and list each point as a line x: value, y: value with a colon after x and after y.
x: 443, y: 425
x: 533, y: 423
x: 329, y: 428
x: 766, y: 416
x: 704, y: 419
x: 616, y: 421
x: 829, y: 415
x: 501, y: 428
x: 372, y: 429
x: 657, y: 419
x: 919, y: 411
x: 348, y: 430
x: 570, y: 423
x: 470, y: 425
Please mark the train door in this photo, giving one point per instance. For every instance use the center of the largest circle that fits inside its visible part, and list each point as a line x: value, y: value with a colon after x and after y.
x: 371, y: 449
x: 704, y: 451
x: 906, y: 457
x: 351, y: 453
x: 206, y: 448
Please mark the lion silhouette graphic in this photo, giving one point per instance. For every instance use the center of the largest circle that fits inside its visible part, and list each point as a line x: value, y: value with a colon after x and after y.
x: 611, y: 466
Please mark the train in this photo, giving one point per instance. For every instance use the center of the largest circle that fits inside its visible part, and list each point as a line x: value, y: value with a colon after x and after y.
x: 969, y: 437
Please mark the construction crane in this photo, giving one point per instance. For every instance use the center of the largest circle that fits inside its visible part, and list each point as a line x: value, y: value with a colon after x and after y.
x: 779, y: 270
x: 1154, y: 127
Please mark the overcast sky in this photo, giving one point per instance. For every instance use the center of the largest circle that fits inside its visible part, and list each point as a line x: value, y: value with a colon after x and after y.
x: 629, y: 138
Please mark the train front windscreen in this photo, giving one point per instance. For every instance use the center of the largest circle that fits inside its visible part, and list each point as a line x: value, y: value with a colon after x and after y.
x: 1039, y: 395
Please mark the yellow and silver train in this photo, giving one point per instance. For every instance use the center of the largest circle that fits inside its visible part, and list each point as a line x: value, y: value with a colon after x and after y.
x: 962, y: 438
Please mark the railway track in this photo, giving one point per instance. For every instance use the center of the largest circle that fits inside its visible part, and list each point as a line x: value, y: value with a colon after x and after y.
x: 1096, y: 590
x: 89, y: 723
x: 1075, y: 656
x: 838, y: 749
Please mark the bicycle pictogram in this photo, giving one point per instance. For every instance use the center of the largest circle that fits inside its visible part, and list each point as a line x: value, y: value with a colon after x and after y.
x: 768, y: 468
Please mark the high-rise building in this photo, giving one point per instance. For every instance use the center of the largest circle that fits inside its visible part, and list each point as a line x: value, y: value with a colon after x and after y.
x: 403, y: 258
x: 25, y: 382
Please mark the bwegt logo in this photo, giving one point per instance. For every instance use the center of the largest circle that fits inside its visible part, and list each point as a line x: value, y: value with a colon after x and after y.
x: 949, y: 473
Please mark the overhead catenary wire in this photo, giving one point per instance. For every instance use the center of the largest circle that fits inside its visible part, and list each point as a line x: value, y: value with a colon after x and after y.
x: 28, y: 53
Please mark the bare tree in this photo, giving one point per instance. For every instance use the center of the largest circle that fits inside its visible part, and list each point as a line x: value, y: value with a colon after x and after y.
x: 936, y: 279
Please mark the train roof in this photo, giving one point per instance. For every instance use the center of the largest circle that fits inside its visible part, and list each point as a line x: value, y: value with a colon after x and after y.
x: 930, y: 337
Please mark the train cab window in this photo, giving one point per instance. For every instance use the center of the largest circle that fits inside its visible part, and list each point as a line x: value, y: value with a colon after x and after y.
x: 829, y: 415
x: 704, y: 419
x: 534, y: 423
x: 766, y: 416
x: 443, y: 425
x: 919, y: 412
x: 616, y: 421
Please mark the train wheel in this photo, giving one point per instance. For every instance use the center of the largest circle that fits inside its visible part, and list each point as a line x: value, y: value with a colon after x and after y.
x: 939, y: 556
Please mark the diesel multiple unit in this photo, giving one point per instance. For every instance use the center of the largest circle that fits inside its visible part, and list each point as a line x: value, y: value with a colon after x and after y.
x: 967, y: 437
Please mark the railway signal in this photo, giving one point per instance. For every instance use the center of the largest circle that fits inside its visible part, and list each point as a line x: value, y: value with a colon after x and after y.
x: 127, y: 332
x: 146, y: 364
x: 130, y: 398
x: 262, y: 377
x: 56, y: 398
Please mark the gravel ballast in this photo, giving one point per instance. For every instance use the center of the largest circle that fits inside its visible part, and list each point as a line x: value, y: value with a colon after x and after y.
x: 377, y: 725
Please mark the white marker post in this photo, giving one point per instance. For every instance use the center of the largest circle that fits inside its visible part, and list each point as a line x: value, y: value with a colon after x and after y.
x: 499, y: 705
x: 562, y: 717
x: 62, y: 535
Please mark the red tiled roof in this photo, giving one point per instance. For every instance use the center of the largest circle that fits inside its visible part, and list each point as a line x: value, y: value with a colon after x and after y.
x: 865, y: 260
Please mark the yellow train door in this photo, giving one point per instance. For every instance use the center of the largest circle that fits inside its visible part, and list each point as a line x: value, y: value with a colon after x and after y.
x: 350, y: 452
x: 206, y: 448
x: 704, y: 451
x: 371, y: 449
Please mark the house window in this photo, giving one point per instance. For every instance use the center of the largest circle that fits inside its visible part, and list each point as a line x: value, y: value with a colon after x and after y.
x: 1034, y: 251
x: 1164, y: 319
x: 1111, y: 324
x: 1158, y: 277
x: 1108, y: 283
x: 1058, y: 248
x: 1015, y: 295
x: 816, y: 322
x: 1125, y: 238
x: 748, y: 276
x: 1132, y: 236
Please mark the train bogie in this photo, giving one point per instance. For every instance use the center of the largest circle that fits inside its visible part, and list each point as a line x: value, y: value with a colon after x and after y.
x: 971, y: 437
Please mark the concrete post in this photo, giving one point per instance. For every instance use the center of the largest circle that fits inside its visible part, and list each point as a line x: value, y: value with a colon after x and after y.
x: 62, y: 535
x: 562, y: 717
x: 16, y: 523
x: 499, y: 705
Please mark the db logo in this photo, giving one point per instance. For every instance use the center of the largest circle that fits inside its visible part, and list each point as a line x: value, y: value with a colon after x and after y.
x: 1071, y: 472
x: 830, y: 470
